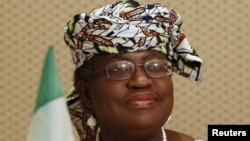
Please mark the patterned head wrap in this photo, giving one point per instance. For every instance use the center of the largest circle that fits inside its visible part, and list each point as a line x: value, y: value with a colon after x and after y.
x: 126, y: 26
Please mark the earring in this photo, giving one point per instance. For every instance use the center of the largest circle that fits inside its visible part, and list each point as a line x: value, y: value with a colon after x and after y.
x: 169, y: 118
x: 91, y: 122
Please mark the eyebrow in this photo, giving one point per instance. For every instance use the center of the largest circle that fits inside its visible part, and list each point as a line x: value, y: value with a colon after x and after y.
x: 151, y: 55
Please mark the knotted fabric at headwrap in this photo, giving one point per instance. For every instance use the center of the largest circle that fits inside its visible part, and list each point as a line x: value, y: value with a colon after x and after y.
x: 125, y: 26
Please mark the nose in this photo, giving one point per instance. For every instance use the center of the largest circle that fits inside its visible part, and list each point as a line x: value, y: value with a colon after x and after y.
x: 140, y: 79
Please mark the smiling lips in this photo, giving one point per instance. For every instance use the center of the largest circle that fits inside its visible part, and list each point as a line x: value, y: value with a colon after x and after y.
x: 141, y: 101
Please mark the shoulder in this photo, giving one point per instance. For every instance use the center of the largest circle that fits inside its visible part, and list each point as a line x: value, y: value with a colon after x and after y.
x: 178, y: 136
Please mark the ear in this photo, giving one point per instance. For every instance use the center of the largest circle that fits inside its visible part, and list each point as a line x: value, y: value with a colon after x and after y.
x: 82, y: 88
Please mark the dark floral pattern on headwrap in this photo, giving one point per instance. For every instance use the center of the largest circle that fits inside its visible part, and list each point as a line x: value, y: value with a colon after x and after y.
x: 127, y: 26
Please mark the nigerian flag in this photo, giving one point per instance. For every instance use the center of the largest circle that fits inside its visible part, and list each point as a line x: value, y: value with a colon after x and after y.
x: 51, y: 120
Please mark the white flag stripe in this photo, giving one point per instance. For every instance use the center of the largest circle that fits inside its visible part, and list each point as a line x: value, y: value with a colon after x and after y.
x: 51, y: 122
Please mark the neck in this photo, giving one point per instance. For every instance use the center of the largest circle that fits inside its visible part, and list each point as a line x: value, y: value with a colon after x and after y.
x: 163, y: 134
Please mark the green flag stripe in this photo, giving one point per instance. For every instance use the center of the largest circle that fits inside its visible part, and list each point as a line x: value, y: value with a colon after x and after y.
x: 50, y: 85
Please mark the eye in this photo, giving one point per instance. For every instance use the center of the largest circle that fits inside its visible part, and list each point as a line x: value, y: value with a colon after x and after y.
x: 155, y: 66
x: 158, y: 66
x: 119, y: 67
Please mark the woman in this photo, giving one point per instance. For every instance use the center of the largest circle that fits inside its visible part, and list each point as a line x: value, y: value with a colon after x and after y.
x: 125, y: 54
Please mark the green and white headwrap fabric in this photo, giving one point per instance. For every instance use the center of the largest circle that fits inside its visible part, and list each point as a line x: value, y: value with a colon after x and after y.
x: 127, y: 26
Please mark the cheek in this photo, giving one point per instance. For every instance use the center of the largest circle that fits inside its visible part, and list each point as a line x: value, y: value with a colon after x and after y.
x: 164, y: 87
x: 166, y: 92
x: 168, y: 100
x: 105, y: 96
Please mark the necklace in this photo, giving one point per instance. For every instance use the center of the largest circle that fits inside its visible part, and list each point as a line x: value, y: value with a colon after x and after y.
x: 164, y: 135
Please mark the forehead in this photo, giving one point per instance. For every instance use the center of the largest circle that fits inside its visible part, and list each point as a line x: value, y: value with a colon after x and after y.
x: 137, y: 56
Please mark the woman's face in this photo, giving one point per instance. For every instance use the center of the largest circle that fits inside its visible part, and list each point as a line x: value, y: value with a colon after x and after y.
x: 134, y: 103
